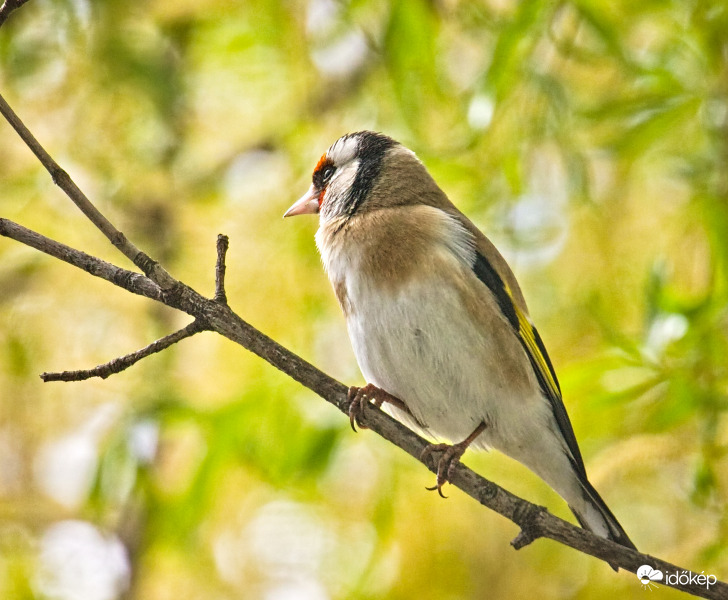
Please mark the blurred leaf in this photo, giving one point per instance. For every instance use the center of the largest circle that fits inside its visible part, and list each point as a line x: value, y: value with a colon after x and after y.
x: 409, y: 52
x: 514, y: 45
x: 18, y: 362
x: 650, y: 125
x: 704, y: 483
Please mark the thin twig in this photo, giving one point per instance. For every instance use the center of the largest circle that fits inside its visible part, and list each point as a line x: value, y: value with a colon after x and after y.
x: 222, y: 247
x: 124, y: 362
x: 129, y: 280
x: 8, y: 7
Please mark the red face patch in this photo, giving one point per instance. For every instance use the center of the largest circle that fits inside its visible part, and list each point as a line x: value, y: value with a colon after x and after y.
x: 322, y: 161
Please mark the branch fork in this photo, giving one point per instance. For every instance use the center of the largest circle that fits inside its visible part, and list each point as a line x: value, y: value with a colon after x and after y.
x: 121, y: 363
x: 528, y: 517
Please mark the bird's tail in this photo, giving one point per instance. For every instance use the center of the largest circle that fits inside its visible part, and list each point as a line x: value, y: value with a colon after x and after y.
x: 594, y: 515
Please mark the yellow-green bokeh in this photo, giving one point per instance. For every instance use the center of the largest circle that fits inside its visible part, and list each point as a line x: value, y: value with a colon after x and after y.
x: 588, y: 139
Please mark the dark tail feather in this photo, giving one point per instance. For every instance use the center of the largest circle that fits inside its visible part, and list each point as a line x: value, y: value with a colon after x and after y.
x: 615, y: 531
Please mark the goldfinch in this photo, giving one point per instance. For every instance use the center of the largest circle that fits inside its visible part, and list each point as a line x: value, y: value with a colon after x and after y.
x: 438, y: 323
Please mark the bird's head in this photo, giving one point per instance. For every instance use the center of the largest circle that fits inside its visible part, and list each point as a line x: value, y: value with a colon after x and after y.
x: 359, y: 172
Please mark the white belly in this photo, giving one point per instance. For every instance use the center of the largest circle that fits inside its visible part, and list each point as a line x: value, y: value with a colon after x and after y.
x: 419, y: 344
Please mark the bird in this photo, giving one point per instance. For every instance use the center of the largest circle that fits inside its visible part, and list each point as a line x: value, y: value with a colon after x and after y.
x: 438, y: 323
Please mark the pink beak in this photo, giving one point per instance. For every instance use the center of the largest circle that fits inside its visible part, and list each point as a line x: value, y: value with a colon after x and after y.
x: 308, y: 204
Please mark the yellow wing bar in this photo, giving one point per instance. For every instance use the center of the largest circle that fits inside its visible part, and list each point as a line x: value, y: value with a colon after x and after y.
x: 537, y: 352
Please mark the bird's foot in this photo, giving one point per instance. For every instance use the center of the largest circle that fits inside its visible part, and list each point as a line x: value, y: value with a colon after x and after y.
x: 359, y: 397
x: 451, y: 455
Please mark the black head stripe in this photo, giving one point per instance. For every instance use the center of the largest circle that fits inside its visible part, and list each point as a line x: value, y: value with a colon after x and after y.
x: 370, y: 152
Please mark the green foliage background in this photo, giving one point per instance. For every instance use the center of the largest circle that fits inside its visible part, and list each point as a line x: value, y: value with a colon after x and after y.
x: 588, y: 138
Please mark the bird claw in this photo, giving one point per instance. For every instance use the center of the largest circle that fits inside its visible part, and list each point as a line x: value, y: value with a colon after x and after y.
x: 450, y: 458
x: 359, y: 397
x: 451, y: 455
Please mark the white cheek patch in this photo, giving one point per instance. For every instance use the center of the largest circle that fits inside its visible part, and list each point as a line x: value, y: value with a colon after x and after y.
x: 337, y: 190
x: 344, y: 178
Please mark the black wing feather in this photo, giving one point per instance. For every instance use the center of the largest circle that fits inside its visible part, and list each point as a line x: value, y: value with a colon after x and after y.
x: 536, y: 351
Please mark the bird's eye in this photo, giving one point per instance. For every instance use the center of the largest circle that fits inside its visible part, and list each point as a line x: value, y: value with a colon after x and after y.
x: 327, y: 172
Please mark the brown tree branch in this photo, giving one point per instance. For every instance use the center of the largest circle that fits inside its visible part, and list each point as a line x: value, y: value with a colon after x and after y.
x: 534, y: 521
x: 121, y: 363
x: 129, y: 280
x: 8, y: 7
x: 222, y: 247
